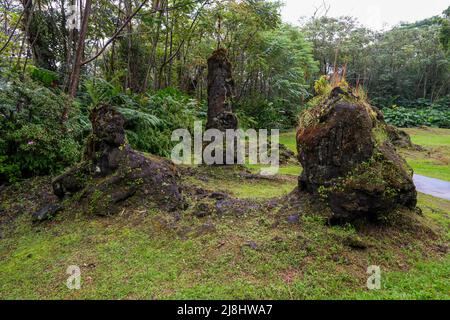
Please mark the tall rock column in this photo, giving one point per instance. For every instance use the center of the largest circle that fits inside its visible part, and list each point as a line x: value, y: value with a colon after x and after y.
x: 220, y: 92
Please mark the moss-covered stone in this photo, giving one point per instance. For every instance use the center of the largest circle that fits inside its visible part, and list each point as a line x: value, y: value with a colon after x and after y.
x: 349, y: 160
x: 112, y: 172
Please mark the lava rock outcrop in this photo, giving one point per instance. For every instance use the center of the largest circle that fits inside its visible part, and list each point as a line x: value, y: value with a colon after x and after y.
x: 349, y: 160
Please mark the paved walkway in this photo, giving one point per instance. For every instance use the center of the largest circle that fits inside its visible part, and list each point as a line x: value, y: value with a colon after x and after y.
x: 433, y: 187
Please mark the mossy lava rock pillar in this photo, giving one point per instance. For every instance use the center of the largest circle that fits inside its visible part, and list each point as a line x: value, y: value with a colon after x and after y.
x: 107, y: 141
x: 112, y: 174
x: 349, y: 161
x: 220, y: 92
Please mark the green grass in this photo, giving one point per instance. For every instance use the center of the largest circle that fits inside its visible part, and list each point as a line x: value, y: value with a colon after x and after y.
x: 436, y: 209
x: 139, y: 257
x: 289, y: 140
x: 429, y: 168
x: 430, y: 137
x: 434, y: 162
x: 142, y: 256
x: 260, y: 190
x: 147, y: 254
x: 287, y: 170
x: 291, y: 170
x: 427, y: 281
x: 222, y: 180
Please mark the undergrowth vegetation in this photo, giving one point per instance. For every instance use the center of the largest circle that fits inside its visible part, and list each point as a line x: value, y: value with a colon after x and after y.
x: 150, y: 117
x: 33, y: 140
x: 423, y: 114
x: 150, y: 254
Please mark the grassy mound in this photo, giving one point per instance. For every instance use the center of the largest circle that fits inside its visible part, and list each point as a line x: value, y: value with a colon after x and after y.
x: 258, y: 247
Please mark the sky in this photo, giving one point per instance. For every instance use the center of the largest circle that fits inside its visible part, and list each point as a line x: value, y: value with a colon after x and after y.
x: 375, y: 14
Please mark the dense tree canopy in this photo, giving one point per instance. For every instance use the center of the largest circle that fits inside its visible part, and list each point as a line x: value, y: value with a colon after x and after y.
x: 149, y: 58
x: 409, y: 62
x: 143, y: 45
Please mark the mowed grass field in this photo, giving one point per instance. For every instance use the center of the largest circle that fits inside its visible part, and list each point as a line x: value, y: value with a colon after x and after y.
x: 434, y: 161
x: 144, y: 253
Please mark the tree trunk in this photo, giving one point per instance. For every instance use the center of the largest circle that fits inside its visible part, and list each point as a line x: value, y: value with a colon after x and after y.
x: 152, y: 60
x: 76, y: 68
x: 43, y: 56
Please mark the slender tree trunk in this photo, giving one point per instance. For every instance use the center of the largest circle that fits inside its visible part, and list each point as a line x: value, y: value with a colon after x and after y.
x: 166, y: 48
x: 152, y: 60
x: 129, y: 75
x: 76, y: 69
x: 169, y: 72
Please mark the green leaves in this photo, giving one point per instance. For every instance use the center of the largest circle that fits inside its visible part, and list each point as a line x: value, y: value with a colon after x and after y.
x: 47, y: 77
x: 147, y: 120
x: 434, y: 116
x: 100, y: 91
x: 286, y: 63
x: 33, y: 141
x: 444, y: 36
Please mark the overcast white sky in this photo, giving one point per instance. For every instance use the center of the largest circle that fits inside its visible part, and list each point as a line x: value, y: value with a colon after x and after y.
x: 376, y: 14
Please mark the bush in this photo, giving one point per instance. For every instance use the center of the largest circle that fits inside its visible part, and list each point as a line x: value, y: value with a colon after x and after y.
x: 433, y: 116
x: 421, y: 103
x: 169, y: 110
x: 259, y: 113
x: 33, y: 141
x: 150, y: 118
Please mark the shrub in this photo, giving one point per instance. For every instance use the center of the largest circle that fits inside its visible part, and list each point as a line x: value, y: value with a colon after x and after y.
x: 33, y: 141
x: 259, y: 113
x: 322, y: 87
x: 174, y: 110
x: 415, y: 117
x: 45, y: 77
x: 150, y: 118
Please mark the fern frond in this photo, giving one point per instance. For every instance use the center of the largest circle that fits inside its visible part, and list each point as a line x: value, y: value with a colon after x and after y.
x: 146, y: 119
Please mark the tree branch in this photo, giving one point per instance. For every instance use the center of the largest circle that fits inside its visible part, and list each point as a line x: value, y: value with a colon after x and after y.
x: 184, y: 39
x: 15, y: 27
x: 127, y: 21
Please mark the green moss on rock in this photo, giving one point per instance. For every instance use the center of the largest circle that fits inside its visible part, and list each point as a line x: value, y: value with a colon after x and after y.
x: 349, y: 161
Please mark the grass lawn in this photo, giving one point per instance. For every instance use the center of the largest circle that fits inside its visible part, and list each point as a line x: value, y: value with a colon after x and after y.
x: 144, y: 253
x: 430, y: 137
x: 435, y: 161
x: 289, y: 140
x: 139, y: 256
